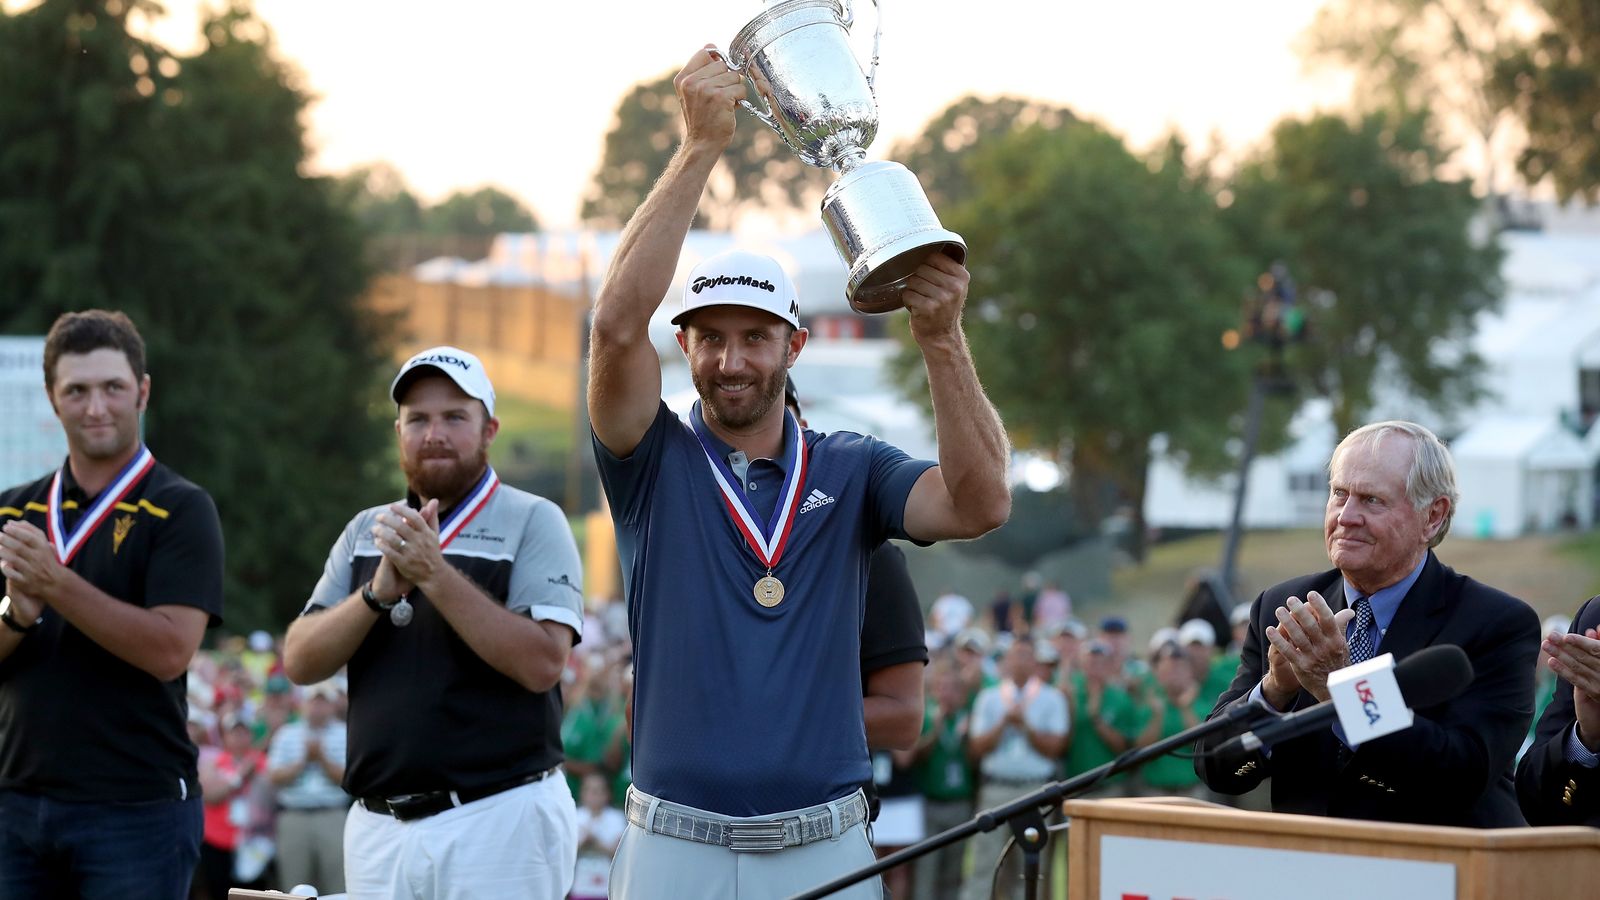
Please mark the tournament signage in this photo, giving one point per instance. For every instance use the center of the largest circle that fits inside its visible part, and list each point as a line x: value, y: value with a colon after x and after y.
x: 1190, y: 869
x: 31, y: 443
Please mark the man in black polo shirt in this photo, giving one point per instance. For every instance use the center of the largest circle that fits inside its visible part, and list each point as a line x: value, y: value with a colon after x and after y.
x: 112, y: 569
x: 455, y: 611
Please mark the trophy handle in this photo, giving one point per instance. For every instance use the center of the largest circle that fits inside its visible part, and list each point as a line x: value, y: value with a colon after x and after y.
x: 766, y: 115
x: 877, y: 35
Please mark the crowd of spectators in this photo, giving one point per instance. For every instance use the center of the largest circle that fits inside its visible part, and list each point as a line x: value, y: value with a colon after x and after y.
x: 1018, y: 693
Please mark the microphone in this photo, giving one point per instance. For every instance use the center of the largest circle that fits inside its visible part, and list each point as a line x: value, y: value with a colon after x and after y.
x: 1426, y: 678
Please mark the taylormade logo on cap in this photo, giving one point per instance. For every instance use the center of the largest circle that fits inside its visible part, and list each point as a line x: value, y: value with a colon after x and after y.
x: 703, y: 282
x: 740, y: 278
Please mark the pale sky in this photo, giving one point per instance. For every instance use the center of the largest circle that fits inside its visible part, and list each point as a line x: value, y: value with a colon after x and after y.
x: 521, y: 93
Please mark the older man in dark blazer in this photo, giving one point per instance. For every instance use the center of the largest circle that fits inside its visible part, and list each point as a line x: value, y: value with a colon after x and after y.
x: 1558, y: 781
x: 1391, y: 495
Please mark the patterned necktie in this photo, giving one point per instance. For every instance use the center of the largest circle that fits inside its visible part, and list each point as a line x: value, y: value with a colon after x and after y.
x: 1362, y: 638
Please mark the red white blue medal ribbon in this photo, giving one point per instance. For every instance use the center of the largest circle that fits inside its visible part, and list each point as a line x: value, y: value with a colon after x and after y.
x: 68, y: 543
x: 451, y: 525
x: 767, y: 542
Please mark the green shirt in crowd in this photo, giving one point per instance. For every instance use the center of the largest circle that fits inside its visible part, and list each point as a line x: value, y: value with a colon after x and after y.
x: 946, y: 773
x: 1223, y: 668
x: 585, y: 733
x: 1118, y: 710
x: 1171, y: 772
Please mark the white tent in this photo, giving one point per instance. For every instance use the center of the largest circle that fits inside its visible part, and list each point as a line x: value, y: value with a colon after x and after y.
x: 1521, y: 474
x: 1523, y: 470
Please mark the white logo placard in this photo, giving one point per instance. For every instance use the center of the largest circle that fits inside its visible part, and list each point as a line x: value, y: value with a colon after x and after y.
x: 1368, y: 700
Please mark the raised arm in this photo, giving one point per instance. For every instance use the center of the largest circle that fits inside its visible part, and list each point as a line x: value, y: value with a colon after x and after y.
x: 624, y: 371
x: 966, y: 495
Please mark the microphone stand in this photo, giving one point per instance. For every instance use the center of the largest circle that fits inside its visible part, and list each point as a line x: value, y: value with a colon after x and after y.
x: 1025, y: 816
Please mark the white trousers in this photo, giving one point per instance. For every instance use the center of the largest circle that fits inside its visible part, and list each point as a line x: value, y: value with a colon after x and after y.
x: 520, y: 844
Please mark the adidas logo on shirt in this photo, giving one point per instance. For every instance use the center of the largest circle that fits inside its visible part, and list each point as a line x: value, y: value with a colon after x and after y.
x: 814, y: 500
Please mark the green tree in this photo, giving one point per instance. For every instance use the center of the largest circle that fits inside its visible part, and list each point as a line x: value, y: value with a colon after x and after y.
x: 172, y: 188
x: 484, y: 212
x: 938, y: 155
x: 402, y: 231
x: 1383, y: 252
x: 1433, y: 55
x: 380, y: 198
x: 1552, y: 82
x: 386, y: 206
x: 758, y: 171
x: 1101, y: 285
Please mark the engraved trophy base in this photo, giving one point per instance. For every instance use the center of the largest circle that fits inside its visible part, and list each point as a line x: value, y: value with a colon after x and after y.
x: 884, y: 228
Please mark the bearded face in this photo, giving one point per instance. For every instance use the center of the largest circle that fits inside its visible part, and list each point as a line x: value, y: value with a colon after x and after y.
x: 739, y: 361
x: 748, y: 403
x: 444, y: 439
x: 444, y: 472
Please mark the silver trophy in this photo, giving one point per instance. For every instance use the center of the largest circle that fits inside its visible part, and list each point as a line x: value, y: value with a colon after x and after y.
x: 797, y: 56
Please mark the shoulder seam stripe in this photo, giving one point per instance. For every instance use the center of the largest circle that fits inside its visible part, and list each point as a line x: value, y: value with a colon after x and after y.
x: 448, y: 551
x: 145, y: 505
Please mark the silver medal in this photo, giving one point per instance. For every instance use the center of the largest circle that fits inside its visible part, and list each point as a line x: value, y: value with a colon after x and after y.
x: 400, y: 613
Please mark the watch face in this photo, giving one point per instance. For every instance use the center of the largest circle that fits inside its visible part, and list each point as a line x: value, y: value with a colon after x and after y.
x: 8, y: 610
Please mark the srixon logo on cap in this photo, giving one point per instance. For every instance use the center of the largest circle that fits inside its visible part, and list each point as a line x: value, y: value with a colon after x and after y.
x: 711, y: 281
x: 441, y: 359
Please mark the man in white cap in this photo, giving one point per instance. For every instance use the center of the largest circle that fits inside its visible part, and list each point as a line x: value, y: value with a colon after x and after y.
x: 744, y: 541
x: 1212, y: 671
x: 455, y: 610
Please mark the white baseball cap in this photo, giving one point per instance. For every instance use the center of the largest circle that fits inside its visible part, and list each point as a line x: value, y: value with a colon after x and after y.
x: 1240, y: 614
x: 1165, y: 635
x: 460, y: 366
x: 741, y: 278
x: 1197, y: 630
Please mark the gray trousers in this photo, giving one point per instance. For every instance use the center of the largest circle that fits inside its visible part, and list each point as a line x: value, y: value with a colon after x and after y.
x: 311, y: 848
x: 939, y: 873
x: 650, y: 866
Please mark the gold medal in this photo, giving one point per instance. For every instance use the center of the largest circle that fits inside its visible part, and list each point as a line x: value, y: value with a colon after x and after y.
x: 769, y: 591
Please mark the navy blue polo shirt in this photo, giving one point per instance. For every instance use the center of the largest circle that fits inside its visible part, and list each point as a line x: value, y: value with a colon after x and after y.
x: 740, y: 709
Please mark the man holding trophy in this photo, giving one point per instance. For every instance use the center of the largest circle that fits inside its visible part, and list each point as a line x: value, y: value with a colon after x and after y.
x: 745, y: 538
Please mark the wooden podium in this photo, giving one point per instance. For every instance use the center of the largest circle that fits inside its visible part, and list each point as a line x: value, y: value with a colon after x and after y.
x: 1179, y: 849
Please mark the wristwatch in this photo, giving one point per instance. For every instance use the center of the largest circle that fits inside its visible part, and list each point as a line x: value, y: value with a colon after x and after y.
x: 11, y: 621
x: 372, y: 601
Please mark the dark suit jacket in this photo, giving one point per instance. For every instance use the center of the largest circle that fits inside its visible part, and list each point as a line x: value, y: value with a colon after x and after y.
x: 1454, y: 765
x: 1552, y: 790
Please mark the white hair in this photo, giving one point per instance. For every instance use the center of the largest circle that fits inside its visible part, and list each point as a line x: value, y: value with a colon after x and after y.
x: 1432, y: 473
